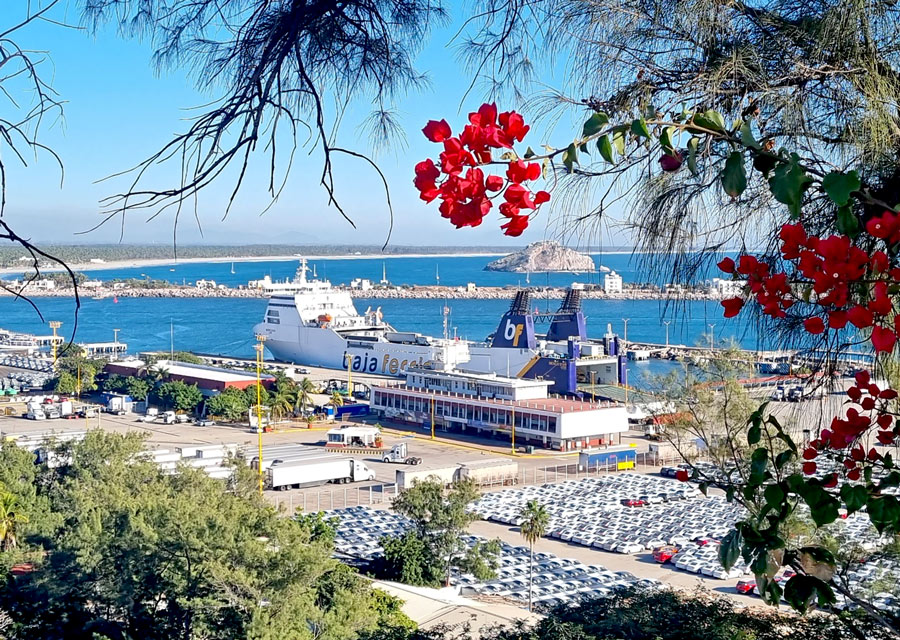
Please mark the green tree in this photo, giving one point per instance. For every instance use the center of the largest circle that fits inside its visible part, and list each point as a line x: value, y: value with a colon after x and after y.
x: 178, y: 396
x: 281, y: 404
x: 336, y: 400
x: 250, y: 392
x: 114, y: 382
x: 230, y: 405
x: 11, y: 517
x: 65, y: 383
x: 533, y: 521
x: 225, y: 563
x: 305, y: 389
x: 137, y: 388
x: 434, y: 545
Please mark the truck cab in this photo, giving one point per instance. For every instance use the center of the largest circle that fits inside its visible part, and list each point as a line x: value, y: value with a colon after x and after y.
x: 362, y: 472
x: 399, y: 453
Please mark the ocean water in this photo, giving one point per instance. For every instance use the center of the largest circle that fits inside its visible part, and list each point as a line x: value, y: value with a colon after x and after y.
x: 452, y: 271
x: 225, y: 325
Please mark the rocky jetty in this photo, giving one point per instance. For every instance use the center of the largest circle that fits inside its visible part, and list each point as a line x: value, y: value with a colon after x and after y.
x: 543, y: 256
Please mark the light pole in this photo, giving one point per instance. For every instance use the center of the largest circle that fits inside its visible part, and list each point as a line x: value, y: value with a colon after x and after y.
x: 116, y: 344
x: 259, y: 429
x: 513, y: 425
x: 432, y: 416
x: 54, y: 324
x: 712, y: 335
x: 625, y: 337
x: 666, y: 322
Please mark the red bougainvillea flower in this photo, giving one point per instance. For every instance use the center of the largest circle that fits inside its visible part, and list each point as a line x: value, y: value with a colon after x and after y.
x: 883, y: 340
x: 437, y: 130
x: 732, y: 306
x: 809, y: 468
x: 515, y: 226
x: 814, y: 325
x: 464, y: 191
x: 727, y: 265
x: 682, y: 475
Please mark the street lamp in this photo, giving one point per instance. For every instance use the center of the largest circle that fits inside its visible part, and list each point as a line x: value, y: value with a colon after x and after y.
x: 712, y: 335
x: 513, y: 426
x: 116, y: 344
x: 625, y: 337
x: 260, y: 338
x: 54, y: 324
x: 666, y: 322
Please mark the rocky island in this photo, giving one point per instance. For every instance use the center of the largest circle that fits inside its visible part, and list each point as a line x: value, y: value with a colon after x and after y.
x: 543, y: 256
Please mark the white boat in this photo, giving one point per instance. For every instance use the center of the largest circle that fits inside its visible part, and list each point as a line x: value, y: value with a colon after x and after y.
x: 317, y: 325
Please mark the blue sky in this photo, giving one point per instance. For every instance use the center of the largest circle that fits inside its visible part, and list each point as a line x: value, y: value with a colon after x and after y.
x: 118, y: 111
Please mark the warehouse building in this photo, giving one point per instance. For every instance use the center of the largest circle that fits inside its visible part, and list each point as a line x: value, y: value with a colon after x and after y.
x: 486, y: 405
x: 210, y: 380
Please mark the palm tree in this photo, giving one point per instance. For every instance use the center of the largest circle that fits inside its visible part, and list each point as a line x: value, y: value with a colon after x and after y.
x: 281, y: 403
x: 10, y: 518
x: 337, y: 400
x: 305, y: 389
x: 534, y: 519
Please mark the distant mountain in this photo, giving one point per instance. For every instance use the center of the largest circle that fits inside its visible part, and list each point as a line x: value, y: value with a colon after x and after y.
x: 543, y: 256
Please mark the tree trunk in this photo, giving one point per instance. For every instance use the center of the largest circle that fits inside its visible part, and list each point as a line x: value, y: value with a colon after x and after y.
x: 530, y: 577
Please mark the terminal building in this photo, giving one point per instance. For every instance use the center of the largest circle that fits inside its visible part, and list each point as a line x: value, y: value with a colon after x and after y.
x: 486, y: 405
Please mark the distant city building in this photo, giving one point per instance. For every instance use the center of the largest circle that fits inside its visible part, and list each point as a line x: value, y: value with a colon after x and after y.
x: 210, y: 380
x: 471, y: 287
x: 91, y: 284
x: 720, y: 288
x: 579, y: 286
x: 612, y: 282
x: 361, y: 284
x: 205, y: 284
x: 46, y: 285
x: 97, y: 261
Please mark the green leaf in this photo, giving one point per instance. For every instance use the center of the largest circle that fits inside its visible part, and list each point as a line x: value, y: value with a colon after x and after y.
x: 759, y: 460
x: 854, y: 496
x: 800, y: 590
x: 639, y: 128
x: 692, y: 145
x: 883, y: 512
x: 847, y: 222
x: 774, y: 496
x: 584, y: 149
x: 823, y: 507
x: 605, y: 148
x: 747, y: 138
x: 594, y: 124
x: 730, y: 549
x: 783, y: 458
x: 734, y: 175
x: 754, y: 434
x: 711, y: 120
x: 529, y: 153
x: 839, y: 186
x: 665, y: 140
x: 570, y: 157
x: 788, y: 184
x: 619, y: 140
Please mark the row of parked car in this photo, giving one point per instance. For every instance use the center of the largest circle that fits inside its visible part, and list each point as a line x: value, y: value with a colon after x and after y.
x: 27, y: 362
x: 556, y: 580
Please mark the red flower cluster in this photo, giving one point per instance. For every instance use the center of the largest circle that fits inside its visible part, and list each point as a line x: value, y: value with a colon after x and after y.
x: 868, y: 411
x: 466, y: 197
x: 835, y: 271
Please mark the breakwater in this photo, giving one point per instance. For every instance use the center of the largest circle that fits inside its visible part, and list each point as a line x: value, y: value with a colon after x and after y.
x: 423, y: 292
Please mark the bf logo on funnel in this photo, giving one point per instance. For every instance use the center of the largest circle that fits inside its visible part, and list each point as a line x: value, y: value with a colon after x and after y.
x: 512, y: 332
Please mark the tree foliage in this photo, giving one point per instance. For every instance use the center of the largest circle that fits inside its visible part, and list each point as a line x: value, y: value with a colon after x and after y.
x: 178, y: 396
x: 126, y: 551
x: 230, y: 405
x: 427, y: 553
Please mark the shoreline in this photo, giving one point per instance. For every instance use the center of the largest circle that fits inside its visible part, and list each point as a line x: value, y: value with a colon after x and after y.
x: 428, y: 292
x: 138, y: 263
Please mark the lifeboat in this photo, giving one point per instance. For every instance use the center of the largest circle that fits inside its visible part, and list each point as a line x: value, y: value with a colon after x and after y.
x: 324, y: 320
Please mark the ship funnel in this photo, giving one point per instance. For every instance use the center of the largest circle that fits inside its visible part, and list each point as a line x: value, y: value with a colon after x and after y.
x: 516, y: 329
x: 568, y: 321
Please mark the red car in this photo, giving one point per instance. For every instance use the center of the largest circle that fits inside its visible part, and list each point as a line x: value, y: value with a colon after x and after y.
x: 665, y: 553
x: 745, y: 586
x: 633, y: 502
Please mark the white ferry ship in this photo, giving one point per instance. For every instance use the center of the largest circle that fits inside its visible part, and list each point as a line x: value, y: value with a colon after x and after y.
x: 309, y: 322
